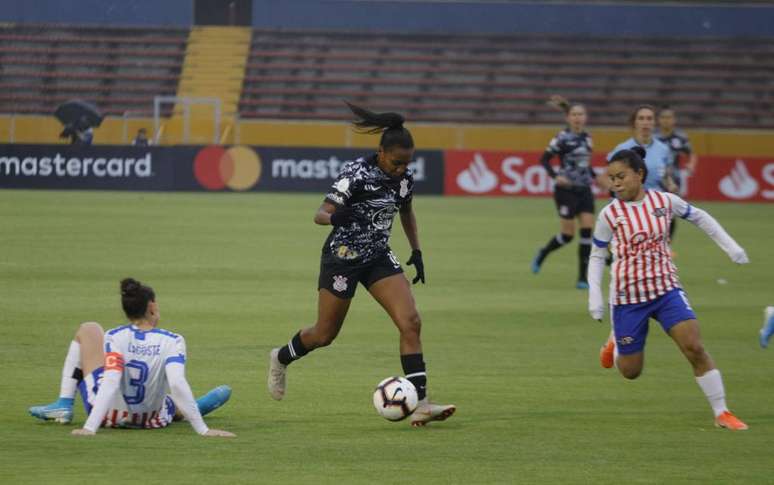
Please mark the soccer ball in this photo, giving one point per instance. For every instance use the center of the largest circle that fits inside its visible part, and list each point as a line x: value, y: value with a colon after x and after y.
x: 395, y: 398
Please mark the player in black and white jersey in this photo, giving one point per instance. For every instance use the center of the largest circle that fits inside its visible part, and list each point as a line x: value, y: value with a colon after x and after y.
x: 572, y: 186
x: 361, y: 206
x: 680, y: 148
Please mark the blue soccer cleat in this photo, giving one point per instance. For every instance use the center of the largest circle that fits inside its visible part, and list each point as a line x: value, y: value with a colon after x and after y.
x: 60, y: 411
x: 213, y: 399
x: 582, y: 285
x: 768, y: 327
x: 535, y: 266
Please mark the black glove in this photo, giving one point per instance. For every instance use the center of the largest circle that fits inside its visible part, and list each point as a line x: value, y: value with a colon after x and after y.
x: 416, y: 260
x: 343, y: 216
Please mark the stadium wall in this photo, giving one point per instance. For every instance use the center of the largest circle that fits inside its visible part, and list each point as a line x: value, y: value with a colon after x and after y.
x: 111, y: 12
x: 418, y: 16
x: 518, y: 18
x: 116, y: 131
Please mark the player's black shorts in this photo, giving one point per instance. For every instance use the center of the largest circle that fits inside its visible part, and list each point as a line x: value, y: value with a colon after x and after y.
x: 573, y: 201
x: 341, y: 278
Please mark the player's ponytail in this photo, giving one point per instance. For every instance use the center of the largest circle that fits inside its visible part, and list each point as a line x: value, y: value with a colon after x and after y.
x: 561, y: 103
x: 135, y: 298
x: 633, y: 157
x: 390, y: 125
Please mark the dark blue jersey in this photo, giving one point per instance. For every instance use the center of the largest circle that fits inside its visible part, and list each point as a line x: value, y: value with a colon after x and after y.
x: 574, y: 152
x: 678, y: 144
x: 375, y: 198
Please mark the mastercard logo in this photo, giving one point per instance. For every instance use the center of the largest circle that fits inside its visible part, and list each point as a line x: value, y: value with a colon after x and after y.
x: 236, y: 168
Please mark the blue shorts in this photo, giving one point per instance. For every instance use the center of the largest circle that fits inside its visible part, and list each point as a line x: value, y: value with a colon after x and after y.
x: 630, y: 322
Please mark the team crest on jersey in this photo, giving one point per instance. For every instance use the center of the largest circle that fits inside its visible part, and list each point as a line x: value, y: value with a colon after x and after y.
x: 342, y: 185
x: 340, y: 283
x: 403, y: 188
x: 660, y: 212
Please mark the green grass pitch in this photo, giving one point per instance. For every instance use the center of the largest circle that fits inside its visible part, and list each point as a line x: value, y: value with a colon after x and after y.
x: 236, y: 274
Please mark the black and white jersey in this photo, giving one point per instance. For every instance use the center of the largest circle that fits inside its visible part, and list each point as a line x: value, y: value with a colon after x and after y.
x: 375, y: 198
x: 574, y: 152
x: 678, y: 144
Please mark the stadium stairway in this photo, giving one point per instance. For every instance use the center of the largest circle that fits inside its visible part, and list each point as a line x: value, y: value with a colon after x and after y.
x: 214, y: 67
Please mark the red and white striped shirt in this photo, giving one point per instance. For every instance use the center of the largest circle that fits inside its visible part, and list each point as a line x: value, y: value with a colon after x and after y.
x: 638, y: 237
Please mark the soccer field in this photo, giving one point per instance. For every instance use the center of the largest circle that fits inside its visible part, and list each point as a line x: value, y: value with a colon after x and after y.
x: 236, y: 274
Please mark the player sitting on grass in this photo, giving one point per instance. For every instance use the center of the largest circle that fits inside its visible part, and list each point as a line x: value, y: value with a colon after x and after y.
x: 125, y: 385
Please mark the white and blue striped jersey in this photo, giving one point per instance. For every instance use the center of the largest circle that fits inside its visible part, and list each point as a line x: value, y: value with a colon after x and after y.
x: 142, y: 357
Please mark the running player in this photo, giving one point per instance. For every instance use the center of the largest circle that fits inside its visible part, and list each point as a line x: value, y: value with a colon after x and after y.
x: 680, y: 146
x: 361, y: 206
x: 658, y: 156
x: 125, y: 385
x: 643, y: 279
x: 572, y: 186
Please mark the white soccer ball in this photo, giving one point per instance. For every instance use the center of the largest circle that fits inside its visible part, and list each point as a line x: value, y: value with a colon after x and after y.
x: 395, y: 398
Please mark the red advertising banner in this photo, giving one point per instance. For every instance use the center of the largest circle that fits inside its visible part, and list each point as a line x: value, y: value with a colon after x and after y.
x: 519, y: 173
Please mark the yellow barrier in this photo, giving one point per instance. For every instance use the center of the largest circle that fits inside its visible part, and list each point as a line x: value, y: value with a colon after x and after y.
x: 45, y: 129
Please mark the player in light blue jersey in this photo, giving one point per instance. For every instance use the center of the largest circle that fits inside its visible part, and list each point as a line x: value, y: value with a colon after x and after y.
x: 131, y: 377
x: 658, y: 156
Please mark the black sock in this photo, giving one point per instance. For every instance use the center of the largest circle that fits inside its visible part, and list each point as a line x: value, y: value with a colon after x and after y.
x: 294, y: 350
x: 672, y: 230
x: 414, y: 368
x: 584, y: 251
x: 553, y: 244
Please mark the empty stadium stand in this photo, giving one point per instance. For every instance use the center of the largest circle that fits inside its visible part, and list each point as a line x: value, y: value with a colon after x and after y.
x: 507, y: 79
x: 711, y: 82
x: 119, y: 69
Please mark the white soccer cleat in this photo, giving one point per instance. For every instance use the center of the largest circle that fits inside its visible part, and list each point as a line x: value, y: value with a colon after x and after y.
x: 427, y: 411
x: 277, y: 376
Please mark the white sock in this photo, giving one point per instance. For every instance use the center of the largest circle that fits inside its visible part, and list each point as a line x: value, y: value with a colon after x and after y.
x: 712, y: 385
x: 72, y: 361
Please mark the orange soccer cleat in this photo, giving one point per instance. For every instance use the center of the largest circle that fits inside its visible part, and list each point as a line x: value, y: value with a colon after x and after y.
x: 607, y: 353
x: 729, y: 421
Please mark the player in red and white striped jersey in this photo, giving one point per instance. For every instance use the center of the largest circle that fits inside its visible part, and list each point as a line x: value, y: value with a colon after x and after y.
x: 643, y: 280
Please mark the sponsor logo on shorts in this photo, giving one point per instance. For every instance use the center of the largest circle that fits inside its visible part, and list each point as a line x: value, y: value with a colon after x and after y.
x: 564, y: 210
x: 625, y: 340
x: 340, y: 283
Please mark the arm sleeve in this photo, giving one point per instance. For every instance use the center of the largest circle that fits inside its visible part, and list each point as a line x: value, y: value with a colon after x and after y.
x: 710, y: 226
x: 603, y: 234
x: 545, y: 161
x: 108, y: 388
x: 341, y: 190
x: 183, y: 397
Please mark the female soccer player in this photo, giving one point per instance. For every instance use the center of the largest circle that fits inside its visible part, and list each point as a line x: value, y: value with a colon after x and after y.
x: 658, y: 156
x: 644, y: 282
x: 679, y: 145
x: 125, y: 384
x: 572, y: 186
x: 361, y: 206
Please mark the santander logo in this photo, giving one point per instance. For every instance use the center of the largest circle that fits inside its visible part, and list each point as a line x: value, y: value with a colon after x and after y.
x: 739, y: 184
x: 477, y: 178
